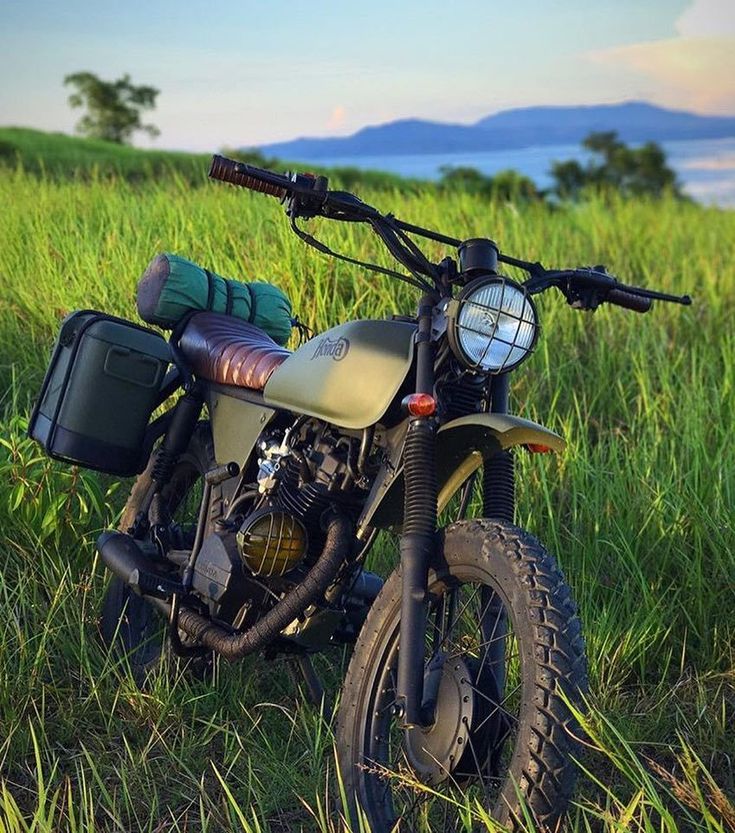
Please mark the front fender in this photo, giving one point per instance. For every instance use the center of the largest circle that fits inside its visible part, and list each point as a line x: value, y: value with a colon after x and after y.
x: 462, y: 447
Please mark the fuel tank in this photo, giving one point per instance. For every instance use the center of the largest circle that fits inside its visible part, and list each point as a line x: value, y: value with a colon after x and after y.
x: 347, y: 375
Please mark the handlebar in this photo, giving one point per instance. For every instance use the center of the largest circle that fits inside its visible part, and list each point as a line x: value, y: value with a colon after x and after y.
x: 307, y: 196
x: 621, y: 298
x: 248, y: 176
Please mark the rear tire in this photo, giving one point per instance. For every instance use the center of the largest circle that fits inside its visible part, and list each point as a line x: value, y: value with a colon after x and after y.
x: 129, y: 625
x: 385, y: 767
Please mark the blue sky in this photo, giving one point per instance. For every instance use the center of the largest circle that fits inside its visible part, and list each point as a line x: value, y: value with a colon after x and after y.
x: 243, y: 73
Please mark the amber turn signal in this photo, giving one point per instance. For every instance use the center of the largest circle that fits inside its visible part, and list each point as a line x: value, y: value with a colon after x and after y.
x: 420, y: 404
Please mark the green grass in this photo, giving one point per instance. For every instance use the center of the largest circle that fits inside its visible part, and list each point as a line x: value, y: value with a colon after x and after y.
x: 59, y: 156
x: 639, y: 511
x: 56, y: 154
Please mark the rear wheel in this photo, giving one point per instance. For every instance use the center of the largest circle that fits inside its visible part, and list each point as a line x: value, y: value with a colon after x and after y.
x: 503, y: 649
x: 129, y: 624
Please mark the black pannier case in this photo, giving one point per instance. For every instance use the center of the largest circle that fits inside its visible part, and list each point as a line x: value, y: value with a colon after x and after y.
x: 99, y: 392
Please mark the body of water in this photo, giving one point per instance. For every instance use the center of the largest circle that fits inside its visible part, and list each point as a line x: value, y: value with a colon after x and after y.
x: 705, y: 167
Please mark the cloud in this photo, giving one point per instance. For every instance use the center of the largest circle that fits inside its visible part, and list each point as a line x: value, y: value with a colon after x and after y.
x: 695, y: 70
x: 707, y: 18
x: 337, y: 118
x: 726, y: 162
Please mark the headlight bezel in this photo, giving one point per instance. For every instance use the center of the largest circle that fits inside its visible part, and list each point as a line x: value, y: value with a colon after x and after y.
x: 528, y: 315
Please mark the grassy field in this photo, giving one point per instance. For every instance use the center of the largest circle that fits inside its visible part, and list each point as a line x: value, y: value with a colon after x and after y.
x: 639, y: 511
x: 58, y: 156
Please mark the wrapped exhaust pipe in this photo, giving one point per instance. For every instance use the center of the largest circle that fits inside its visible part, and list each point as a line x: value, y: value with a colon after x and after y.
x: 235, y: 645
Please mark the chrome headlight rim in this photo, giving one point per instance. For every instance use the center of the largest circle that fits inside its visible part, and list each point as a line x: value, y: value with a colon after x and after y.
x: 529, y: 315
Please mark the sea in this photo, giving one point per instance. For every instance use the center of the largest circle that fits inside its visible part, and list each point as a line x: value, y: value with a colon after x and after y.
x: 705, y: 167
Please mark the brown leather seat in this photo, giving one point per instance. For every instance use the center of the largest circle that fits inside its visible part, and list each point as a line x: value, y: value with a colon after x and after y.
x: 230, y: 351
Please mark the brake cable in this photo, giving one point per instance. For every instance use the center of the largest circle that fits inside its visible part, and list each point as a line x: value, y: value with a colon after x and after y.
x: 402, y: 253
x: 312, y: 241
x: 393, y: 233
x: 423, y: 264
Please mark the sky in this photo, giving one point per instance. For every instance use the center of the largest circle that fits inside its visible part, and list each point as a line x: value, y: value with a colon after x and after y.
x: 247, y: 73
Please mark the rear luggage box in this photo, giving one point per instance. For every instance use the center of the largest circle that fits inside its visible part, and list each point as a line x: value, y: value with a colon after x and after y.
x: 99, y: 392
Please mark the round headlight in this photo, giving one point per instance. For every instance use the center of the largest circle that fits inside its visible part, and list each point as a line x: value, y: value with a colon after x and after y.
x: 492, y: 325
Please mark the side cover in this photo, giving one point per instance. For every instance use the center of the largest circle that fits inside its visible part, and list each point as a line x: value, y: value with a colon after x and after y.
x: 348, y: 375
x: 236, y: 426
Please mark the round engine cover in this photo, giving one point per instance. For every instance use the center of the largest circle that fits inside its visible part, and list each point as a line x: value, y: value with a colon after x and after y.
x: 272, y: 542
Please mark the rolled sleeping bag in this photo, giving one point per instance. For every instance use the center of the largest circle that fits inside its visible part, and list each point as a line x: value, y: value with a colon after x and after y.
x: 171, y: 287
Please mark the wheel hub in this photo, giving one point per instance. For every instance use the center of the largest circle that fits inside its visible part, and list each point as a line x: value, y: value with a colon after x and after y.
x: 434, y: 751
x: 468, y: 726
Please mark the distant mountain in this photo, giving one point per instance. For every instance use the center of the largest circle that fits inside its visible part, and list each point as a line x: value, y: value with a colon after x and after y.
x: 635, y: 121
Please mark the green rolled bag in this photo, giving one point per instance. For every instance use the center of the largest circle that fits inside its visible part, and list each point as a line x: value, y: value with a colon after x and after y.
x: 171, y: 287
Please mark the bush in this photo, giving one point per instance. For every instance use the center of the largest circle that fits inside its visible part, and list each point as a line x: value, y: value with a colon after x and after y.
x: 507, y: 185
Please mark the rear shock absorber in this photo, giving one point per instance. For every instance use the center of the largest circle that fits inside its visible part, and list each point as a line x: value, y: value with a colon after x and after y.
x: 187, y: 411
x: 154, y: 514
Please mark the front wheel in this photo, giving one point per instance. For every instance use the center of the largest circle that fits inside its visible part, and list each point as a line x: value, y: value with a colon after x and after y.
x: 504, y: 657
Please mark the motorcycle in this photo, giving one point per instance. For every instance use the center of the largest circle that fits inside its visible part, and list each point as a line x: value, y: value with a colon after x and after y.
x: 249, y: 531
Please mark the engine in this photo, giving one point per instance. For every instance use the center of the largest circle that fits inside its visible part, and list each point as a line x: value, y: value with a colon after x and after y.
x: 311, y: 468
x: 273, y: 529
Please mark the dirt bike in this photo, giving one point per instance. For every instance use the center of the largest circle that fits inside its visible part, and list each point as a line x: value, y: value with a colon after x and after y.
x: 249, y: 532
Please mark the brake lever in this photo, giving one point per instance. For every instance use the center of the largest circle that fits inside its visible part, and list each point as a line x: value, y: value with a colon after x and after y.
x: 589, y: 295
x: 597, y: 283
x: 310, y: 197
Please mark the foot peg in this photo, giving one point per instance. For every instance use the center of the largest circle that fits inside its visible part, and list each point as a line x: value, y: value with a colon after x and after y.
x: 125, y: 557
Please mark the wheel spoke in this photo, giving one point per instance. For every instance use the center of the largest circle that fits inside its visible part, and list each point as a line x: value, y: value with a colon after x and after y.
x: 499, y: 708
x: 446, y: 615
x: 493, y: 638
x: 463, y: 609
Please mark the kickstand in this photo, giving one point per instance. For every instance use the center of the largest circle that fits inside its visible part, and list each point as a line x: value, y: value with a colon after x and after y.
x: 302, y: 670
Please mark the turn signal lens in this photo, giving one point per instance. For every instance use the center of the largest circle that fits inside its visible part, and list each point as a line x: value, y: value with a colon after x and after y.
x: 420, y: 404
x: 539, y: 448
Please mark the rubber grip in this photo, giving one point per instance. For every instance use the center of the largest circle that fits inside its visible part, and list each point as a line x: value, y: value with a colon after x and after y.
x: 228, y: 170
x: 627, y: 300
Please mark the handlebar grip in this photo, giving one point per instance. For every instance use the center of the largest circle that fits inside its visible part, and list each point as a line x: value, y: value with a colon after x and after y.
x: 621, y: 298
x: 228, y: 170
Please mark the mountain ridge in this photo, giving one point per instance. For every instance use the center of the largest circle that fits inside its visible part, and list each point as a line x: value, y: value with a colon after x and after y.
x: 634, y: 121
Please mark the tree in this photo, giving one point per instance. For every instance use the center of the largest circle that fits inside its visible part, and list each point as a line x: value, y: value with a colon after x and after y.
x: 615, y: 166
x: 113, y: 107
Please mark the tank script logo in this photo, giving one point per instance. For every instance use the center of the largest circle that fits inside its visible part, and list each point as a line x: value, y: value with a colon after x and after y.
x: 335, y: 349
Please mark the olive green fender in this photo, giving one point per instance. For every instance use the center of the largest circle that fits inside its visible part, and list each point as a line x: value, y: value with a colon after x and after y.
x: 461, y: 448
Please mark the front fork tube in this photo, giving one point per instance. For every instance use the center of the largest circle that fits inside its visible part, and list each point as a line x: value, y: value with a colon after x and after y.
x: 418, y: 538
x: 418, y: 544
x: 498, y: 474
x: 498, y: 502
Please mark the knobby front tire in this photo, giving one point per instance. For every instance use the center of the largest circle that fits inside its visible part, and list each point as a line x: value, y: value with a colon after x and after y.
x: 524, y: 765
